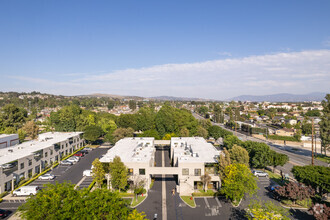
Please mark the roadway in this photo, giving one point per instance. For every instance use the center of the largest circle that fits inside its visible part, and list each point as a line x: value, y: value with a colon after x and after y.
x: 297, y: 157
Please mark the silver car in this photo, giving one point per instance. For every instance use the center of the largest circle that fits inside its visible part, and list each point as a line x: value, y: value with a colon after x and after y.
x: 47, y: 176
x: 259, y: 173
x: 65, y: 162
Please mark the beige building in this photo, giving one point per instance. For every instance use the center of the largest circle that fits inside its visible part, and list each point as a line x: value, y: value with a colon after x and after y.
x: 191, y: 158
x: 31, y: 157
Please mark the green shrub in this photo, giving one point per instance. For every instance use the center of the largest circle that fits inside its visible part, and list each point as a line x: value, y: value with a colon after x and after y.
x: 283, y: 138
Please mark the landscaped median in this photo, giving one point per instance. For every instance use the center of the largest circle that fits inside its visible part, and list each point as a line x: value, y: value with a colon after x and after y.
x: 136, y: 202
x: 189, y: 200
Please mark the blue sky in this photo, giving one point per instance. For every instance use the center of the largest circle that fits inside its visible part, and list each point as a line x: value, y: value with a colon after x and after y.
x: 208, y: 49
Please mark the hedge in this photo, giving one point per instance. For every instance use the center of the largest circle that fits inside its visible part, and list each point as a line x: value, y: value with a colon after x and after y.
x: 283, y: 138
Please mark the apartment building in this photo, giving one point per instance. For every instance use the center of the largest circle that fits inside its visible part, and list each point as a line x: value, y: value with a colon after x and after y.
x: 8, y: 140
x: 31, y: 157
x: 191, y: 158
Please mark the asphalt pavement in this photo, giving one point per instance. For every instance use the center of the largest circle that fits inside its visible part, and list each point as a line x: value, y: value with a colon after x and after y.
x: 63, y: 173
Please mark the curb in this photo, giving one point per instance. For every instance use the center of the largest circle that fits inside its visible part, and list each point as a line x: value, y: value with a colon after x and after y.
x: 140, y: 202
x: 188, y: 204
x: 289, y: 207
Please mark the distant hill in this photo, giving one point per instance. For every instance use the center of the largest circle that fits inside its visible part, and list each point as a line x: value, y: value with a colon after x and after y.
x: 281, y: 97
x: 112, y: 96
x: 173, y: 98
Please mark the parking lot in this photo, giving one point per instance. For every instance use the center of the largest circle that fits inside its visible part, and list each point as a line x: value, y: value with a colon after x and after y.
x: 70, y: 173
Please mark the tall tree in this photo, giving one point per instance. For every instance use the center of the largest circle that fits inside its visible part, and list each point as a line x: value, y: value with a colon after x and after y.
x: 98, y: 172
x: 325, y: 124
x: 239, y: 155
x: 224, y: 161
x: 92, y: 133
x: 132, y: 104
x: 12, y: 116
x: 277, y: 159
x: 120, y: 133
x: 238, y: 181
x: 201, y: 132
x: 206, y: 179
x: 31, y: 129
x: 118, y: 173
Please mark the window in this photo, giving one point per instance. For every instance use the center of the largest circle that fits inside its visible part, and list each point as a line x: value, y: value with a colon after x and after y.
x: 51, y: 152
x: 142, y: 171
x: 30, y: 173
x: 30, y: 162
x: 197, y: 172
x: 185, y: 171
x: 130, y: 171
x: 22, y: 165
x: 46, y: 154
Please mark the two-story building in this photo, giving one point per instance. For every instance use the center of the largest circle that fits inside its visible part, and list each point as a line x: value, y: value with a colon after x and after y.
x: 191, y: 158
x: 31, y: 157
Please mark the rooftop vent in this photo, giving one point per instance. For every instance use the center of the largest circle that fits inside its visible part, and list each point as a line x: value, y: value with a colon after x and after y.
x: 10, y: 150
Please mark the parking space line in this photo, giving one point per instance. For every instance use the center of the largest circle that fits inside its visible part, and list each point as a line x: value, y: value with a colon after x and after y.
x: 207, y: 203
x: 219, y: 204
x: 78, y: 184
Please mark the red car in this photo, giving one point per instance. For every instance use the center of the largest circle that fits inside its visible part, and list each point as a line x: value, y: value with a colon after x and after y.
x: 4, y: 213
x: 79, y: 154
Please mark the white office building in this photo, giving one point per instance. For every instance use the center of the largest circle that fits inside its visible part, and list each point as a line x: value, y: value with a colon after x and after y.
x: 191, y: 157
x: 31, y: 157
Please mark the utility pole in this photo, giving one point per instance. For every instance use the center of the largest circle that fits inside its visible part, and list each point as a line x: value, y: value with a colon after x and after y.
x: 313, y: 142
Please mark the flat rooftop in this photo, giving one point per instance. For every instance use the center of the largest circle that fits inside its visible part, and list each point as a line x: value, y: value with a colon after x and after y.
x: 131, y: 150
x: 25, y: 149
x: 7, y: 135
x: 194, y: 149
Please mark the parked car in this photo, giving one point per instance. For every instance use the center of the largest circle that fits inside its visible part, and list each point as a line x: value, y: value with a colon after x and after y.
x: 7, y: 166
x: 272, y: 188
x: 26, y: 191
x: 84, y: 151
x: 4, y: 213
x: 259, y: 173
x: 47, y: 176
x: 66, y: 162
x: 87, y: 173
x: 88, y: 149
x: 73, y: 159
x: 79, y: 154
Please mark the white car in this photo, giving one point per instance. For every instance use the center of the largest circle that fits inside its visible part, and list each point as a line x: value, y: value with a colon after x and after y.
x: 65, y: 162
x: 73, y: 159
x: 88, y: 149
x: 259, y: 173
x: 46, y: 176
x: 87, y: 173
x: 7, y: 166
x: 26, y: 191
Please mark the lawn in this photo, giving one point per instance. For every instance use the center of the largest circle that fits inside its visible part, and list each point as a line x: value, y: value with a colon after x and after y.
x: 276, y: 178
x: 125, y: 194
x: 323, y: 158
x: 188, y: 200
x: 203, y: 193
x: 138, y: 201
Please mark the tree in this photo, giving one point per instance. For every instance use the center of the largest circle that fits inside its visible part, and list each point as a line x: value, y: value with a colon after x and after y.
x: 239, y: 155
x: 138, y: 185
x: 12, y: 116
x: 169, y: 136
x: 62, y: 201
x: 135, y: 215
x: 325, y: 124
x: 67, y: 118
x: 313, y: 113
x: 224, y: 161
x: 111, y: 104
x: 277, y: 159
x: 145, y: 119
x: 127, y: 121
x: 318, y: 177
x: 320, y: 211
x: 31, y: 129
x: 118, y: 173
x: 21, y: 135
x: 92, y: 133
x: 205, y: 123
x: 206, y: 179
x: 230, y: 140
x: 266, y: 210
x: 184, y: 132
x: 132, y: 104
x: 216, y: 132
x: 203, y: 110
x: 238, y: 180
x: 295, y: 191
x: 201, y: 132
x: 306, y: 128
x: 150, y: 133
x: 120, y: 133
x: 98, y: 172
x: 259, y: 153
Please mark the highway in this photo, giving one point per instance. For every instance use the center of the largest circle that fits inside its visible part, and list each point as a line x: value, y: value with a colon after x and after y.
x: 299, y: 157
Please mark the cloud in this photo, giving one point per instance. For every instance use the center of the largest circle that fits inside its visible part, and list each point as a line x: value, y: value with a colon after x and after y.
x: 294, y: 72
